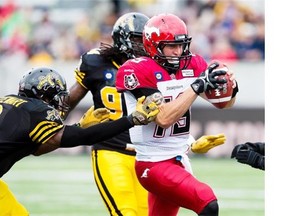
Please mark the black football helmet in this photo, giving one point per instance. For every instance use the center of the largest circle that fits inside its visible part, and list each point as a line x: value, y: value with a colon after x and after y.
x: 127, y: 34
x: 48, y: 85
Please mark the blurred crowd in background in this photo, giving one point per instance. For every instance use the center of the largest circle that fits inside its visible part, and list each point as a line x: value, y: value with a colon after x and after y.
x: 45, y: 31
x: 57, y: 32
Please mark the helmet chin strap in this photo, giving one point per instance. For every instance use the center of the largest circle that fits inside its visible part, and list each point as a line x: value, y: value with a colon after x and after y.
x: 171, y: 68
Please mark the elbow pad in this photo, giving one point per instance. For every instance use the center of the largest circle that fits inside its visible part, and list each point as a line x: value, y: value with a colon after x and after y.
x: 75, y: 136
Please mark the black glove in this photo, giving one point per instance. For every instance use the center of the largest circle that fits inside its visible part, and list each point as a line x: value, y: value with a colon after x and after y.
x: 208, y: 79
x: 246, y: 155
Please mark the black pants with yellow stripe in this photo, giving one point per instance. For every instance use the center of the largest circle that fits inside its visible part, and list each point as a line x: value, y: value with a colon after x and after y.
x: 116, y: 180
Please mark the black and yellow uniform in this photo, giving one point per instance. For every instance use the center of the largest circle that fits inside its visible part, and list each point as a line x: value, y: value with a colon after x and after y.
x: 113, y: 165
x: 9, y: 205
x: 24, y: 123
x: 31, y: 123
x: 97, y: 74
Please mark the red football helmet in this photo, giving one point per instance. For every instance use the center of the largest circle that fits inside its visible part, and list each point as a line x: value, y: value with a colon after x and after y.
x: 166, y: 29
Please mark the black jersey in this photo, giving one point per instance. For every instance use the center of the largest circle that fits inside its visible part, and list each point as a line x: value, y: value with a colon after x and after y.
x: 25, y: 123
x: 97, y: 74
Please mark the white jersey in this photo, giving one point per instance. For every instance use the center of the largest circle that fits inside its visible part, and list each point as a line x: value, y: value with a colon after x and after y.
x: 153, y: 143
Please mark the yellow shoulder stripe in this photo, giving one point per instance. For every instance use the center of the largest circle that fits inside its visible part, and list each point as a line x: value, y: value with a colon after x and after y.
x: 44, y: 130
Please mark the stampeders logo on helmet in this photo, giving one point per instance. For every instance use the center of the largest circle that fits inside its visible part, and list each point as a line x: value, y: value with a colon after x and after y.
x: 150, y: 30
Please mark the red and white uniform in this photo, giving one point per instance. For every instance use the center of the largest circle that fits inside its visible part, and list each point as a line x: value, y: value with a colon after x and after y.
x: 162, y: 164
x: 152, y: 142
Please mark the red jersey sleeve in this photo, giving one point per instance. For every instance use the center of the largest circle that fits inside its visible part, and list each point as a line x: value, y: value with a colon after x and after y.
x: 137, y: 73
x: 198, y: 64
x: 144, y: 72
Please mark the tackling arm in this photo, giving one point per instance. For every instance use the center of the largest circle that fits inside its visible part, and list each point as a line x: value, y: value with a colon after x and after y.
x: 169, y: 112
x: 72, y: 136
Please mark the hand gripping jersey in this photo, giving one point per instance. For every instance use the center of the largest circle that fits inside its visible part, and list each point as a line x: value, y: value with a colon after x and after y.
x: 97, y: 74
x: 152, y: 142
x: 25, y: 123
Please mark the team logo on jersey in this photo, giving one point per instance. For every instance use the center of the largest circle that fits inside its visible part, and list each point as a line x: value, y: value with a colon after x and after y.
x: 145, y: 173
x: 188, y: 73
x: 131, y: 81
x: 158, y: 75
x: 53, y: 115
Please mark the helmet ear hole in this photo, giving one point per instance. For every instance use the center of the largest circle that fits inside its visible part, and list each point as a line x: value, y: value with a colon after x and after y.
x: 35, y: 92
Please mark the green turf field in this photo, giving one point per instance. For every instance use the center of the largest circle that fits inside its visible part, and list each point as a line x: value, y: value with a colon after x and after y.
x: 54, y: 185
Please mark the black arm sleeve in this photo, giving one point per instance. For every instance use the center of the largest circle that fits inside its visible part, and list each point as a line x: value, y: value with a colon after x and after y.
x: 75, y: 136
x: 139, y: 92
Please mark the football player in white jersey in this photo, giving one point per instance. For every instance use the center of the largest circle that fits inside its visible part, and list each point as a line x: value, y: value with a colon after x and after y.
x: 171, y: 71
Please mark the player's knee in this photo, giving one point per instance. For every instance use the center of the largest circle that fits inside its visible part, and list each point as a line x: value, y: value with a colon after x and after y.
x: 211, y: 209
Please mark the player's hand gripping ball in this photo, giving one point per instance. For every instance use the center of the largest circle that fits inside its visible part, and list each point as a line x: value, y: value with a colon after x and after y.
x: 220, y: 96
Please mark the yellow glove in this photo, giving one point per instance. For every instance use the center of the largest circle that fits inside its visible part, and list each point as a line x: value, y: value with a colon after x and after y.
x: 151, y: 103
x: 145, y: 112
x: 207, y: 142
x: 92, y: 117
x: 157, y: 98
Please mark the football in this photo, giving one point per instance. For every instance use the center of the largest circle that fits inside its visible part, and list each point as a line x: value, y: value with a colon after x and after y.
x: 220, y: 97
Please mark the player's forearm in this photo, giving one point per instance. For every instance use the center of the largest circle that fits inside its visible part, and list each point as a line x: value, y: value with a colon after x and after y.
x: 171, y: 112
x: 76, y: 136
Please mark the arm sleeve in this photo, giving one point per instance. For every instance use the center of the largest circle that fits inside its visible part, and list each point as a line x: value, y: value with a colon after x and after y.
x: 139, y: 92
x: 75, y: 136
